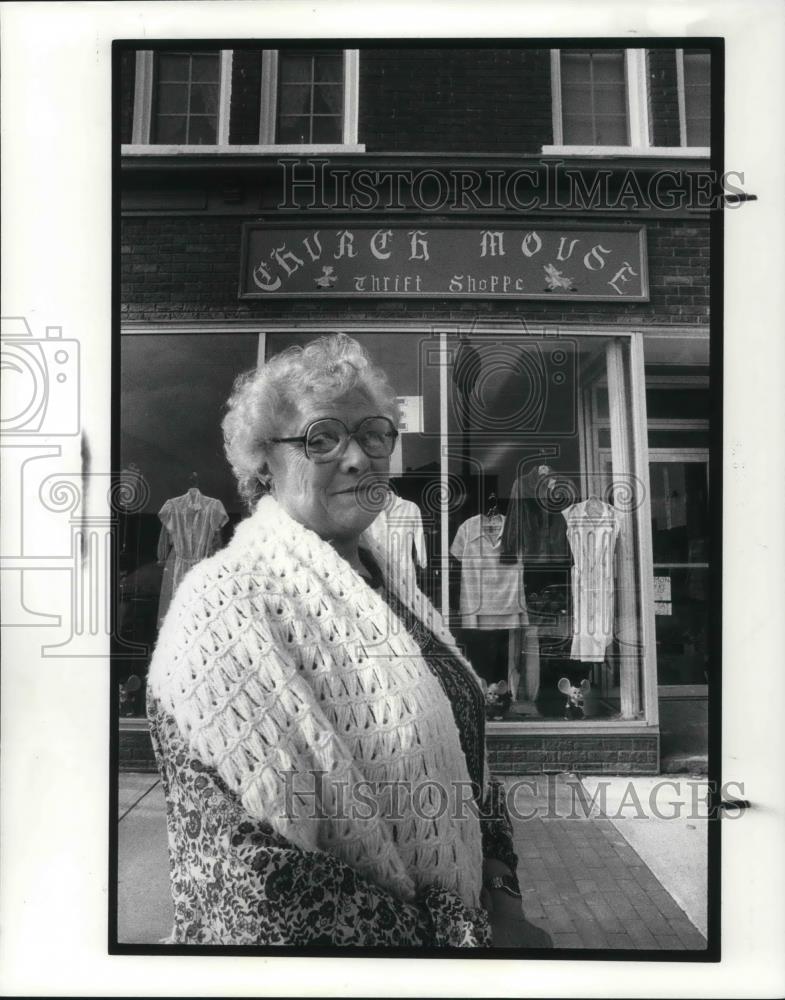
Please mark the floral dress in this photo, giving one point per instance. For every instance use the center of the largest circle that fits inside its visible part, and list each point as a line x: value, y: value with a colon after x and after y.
x: 235, y: 881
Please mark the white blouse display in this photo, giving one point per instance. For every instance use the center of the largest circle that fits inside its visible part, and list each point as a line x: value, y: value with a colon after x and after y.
x: 492, y: 595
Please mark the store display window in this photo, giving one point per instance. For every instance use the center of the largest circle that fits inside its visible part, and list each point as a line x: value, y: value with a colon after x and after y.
x: 518, y: 500
x: 521, y: 512
x: 174, y: 387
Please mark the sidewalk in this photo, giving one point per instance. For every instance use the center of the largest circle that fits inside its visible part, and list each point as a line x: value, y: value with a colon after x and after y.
x: 590, y: 882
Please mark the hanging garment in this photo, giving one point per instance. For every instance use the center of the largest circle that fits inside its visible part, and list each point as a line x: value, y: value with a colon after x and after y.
x: 523, y: 664
x: 399, y: 529
x: 492, y: 595
x: 532, y: 528
x: 592, y: 530
x: 190, y: 530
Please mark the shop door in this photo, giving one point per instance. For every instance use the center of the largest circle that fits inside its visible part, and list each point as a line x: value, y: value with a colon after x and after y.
x: 679, y: 483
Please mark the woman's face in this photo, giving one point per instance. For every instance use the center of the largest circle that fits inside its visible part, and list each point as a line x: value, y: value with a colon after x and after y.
x: 337, y: 499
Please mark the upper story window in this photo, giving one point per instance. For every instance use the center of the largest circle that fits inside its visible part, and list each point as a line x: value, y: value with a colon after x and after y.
x: 283, y: 99
x: 693, y: 67
x: 187, y: 95
x: 310, y: 97
x: 594, y: 98
x: 630, y: 101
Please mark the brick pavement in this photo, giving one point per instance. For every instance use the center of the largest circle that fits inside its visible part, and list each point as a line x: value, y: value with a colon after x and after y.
x: 583, y: 883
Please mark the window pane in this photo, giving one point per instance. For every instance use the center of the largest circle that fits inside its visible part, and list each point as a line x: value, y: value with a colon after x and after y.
x: 203, y: 130
x: 295, y: 68
x: 172, y: 98
x: 327, y: 129
x: 697, y: 97
x: 328, y: 69
x: 576, y: 99
x: 173, y: 67
x: 697, y: 68
x: 677, y: 404
x: 532, y: 482
x: 186, y: 98
x: 594, y: 98
x: 577, y: 131
x: 610, y: 100
x: 608, y: 66
x: 575, y: 67
x: 168, y: 438
x: 697, y: 106
x: 310, y: 98
x: 679, y: 511
x: 681, y: 624
x: 611, y: 130
x: 295, y: 99
x: 206, y: 67
x: 171, y: 129
x: 293, y: 129
x: 679, y: 439
x: 204, y: 99
x: 698, y: 132
x: 327, y: 100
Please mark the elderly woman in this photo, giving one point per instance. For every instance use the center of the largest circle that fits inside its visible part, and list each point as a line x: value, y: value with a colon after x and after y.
x: 319, y: 735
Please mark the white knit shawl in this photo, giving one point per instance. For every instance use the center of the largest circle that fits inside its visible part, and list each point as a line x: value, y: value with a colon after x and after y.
x: 275, y: 658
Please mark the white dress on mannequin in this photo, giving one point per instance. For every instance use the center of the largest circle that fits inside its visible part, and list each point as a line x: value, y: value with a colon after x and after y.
x: 398, y: 527
x: 592, y: 530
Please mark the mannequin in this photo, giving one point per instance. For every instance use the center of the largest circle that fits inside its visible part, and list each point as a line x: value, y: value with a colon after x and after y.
x: 492, y: 601
x: 399, y: 527
x: 592, y: 529
x: 534, y: 533
x: 190, y: 530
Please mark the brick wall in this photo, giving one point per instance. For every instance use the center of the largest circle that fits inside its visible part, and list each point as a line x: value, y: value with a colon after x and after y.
x: 663, y: 97
x: 135, y: 750
x: 188, y: 269
x: 507, y: 754
x: 450, y: 100
x: 584, y: 754
x: 246, y: 96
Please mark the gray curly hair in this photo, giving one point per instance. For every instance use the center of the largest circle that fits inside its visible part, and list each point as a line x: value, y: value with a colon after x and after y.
x: 326, y: 369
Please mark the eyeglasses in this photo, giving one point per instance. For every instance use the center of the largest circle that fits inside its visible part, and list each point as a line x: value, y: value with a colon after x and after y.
x: 327, y: 439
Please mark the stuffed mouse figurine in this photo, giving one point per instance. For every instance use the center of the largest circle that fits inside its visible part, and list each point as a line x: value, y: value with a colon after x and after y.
x: 573, y: 707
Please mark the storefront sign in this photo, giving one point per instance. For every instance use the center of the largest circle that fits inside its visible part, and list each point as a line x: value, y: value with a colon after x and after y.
x: 444, y: 261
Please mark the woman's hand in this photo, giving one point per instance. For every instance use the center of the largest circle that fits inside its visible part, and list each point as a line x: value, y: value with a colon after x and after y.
x: 509, y: 927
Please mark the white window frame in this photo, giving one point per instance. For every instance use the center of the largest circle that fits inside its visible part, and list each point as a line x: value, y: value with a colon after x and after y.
x: 682, y: 94
x: 140, y: 144
x: 637, y: 115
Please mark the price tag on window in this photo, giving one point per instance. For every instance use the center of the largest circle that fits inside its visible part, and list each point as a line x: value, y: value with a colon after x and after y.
x: 662, y: 595
x: 411, y: 414
x: 411, y: 423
